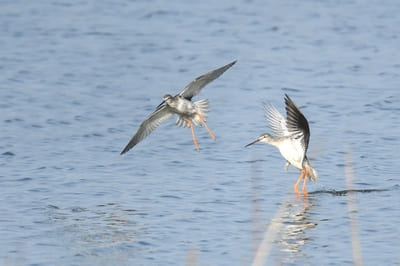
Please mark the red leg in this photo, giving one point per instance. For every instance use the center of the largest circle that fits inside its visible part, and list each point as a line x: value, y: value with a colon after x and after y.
x: 205, y: 125
x: 194, y: 137
x: 305, y: 181
x: 297, y: 183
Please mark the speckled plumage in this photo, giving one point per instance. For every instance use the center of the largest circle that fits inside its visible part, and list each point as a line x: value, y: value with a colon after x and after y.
x: 189, y: 113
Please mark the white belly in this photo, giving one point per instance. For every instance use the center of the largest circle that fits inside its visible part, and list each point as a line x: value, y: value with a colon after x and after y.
x: 292, y: 152
x: 185, y: 107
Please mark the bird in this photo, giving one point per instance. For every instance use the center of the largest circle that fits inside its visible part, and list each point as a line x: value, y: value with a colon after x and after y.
x: 291, y: 136
x: 190, y: 114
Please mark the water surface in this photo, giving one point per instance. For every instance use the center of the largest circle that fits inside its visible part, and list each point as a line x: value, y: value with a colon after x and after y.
x: 79, y: 78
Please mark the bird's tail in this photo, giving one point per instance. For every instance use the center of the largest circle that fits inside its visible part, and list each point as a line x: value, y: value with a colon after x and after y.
x: 202, y: 108
x: 313, y: 173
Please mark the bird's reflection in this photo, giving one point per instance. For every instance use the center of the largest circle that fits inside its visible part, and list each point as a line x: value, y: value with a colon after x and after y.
x: 286, y: 232
x: 296, y: 221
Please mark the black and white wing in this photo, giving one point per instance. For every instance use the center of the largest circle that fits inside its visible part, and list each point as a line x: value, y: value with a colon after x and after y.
x: 148, y: 125
x: 296, y: 122
x: 194, y: 87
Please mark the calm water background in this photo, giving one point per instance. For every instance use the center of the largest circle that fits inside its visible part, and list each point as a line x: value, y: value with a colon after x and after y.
x: 77, y: 79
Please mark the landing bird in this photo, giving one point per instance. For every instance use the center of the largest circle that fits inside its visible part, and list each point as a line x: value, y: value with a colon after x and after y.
x: 189, y: 113
x: 291, y: 137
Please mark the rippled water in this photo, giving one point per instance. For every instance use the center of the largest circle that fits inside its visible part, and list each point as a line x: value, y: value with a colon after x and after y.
x: 79, y: 77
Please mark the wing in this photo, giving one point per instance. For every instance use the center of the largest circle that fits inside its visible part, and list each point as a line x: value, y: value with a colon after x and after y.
x: 148, y: 125
x: 194, y: 87
x: 296, y: 122
x: 276, y: 121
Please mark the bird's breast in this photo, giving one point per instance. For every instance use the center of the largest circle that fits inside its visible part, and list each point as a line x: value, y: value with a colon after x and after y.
x: 183, y: 106
x: 293, y: 152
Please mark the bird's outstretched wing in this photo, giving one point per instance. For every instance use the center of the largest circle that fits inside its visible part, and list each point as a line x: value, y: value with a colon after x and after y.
x: 296, y: 122
x: 194, y: 87
x: 276, y: 121
x: 148, y: 125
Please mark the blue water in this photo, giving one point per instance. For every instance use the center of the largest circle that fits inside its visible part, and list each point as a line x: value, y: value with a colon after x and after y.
x: 78, y: 78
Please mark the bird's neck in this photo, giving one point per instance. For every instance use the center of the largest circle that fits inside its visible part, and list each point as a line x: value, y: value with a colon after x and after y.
x: 274, y: 141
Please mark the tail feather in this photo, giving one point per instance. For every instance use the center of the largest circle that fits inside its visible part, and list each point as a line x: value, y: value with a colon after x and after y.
x: 202, y: 108
x: 311, y: 171
x: 313, y: 174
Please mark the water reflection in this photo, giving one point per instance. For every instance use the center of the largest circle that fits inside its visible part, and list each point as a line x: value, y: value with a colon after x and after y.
x: 296, y: 220
x: 287, y: 232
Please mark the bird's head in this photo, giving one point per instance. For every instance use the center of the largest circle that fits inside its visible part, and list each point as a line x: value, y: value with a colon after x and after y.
x: 166, y: 99
x: 265, y: 137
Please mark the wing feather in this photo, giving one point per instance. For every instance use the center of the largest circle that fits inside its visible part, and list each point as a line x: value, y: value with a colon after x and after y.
x: 296, y: 122
x: 194, y: 87
x: 276, y: 121
x: 148, y: 125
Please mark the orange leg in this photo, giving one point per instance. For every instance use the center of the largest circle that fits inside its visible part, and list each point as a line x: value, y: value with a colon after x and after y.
x: 298, y: 181
x: 194, y: 137
x: 205, y: 125
x: 305, y: 181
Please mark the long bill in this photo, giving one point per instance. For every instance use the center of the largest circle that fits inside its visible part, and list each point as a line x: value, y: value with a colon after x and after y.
x: 254, y: 142
x: 160, y: 105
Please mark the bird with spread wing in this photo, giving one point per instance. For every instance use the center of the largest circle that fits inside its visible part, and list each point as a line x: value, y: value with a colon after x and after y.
x: 291, y: 137
x: 190, y: 114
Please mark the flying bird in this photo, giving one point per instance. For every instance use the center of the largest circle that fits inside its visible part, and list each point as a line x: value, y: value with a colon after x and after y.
x: 190, y: 114
x: 291, y: 136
